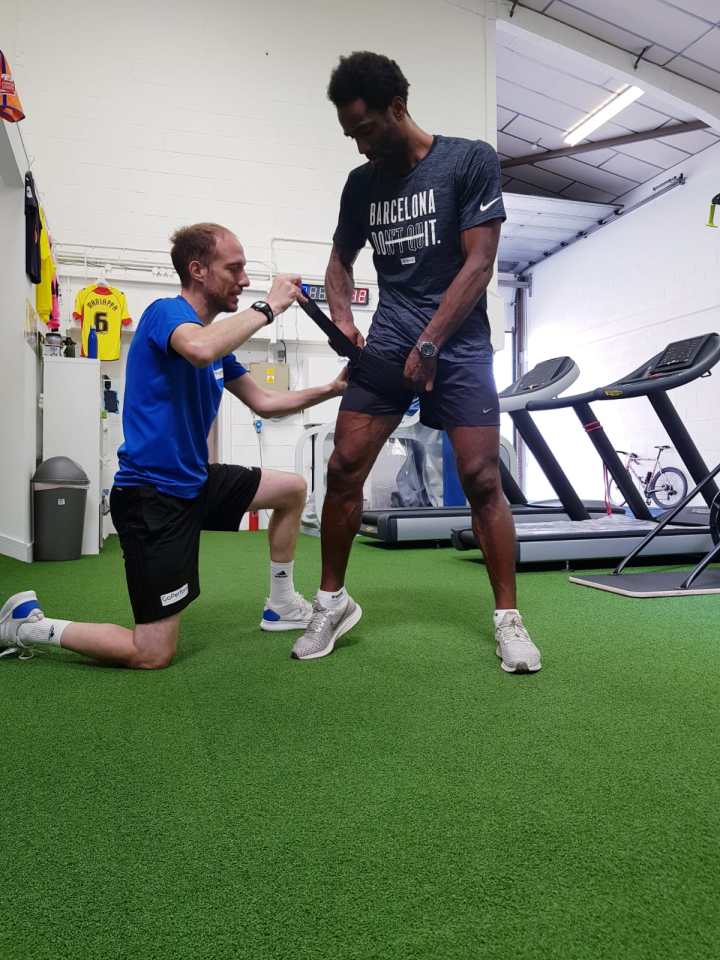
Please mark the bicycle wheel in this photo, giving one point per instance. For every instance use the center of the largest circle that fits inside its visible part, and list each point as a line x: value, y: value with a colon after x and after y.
x: 668, y: 487
x: 615, y: 495
x: 715, y: 520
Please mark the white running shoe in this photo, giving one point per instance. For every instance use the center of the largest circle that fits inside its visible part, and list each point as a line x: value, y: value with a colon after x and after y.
x: 19, y: 609
x: 517, y: 652
x: 325, y: 629
x: 294, y: 615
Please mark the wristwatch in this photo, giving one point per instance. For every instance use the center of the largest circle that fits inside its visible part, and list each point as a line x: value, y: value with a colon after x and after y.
x: 427, y: 349
x: 264, y: 307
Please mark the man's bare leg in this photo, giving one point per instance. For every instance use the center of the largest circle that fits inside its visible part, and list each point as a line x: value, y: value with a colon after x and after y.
x: 359, y: 437
x: 150, y: 646
x: 284, y: 494
x: 477, y: 452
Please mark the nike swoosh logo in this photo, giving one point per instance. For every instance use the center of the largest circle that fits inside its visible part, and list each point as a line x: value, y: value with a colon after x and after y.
x: 486, y: 206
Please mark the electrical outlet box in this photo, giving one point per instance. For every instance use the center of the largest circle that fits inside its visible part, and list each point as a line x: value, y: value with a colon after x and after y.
x: 272, y: 376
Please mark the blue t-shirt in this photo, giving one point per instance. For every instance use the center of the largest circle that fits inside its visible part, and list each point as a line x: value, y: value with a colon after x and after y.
x: 169, y: 405
x: 414, y: 224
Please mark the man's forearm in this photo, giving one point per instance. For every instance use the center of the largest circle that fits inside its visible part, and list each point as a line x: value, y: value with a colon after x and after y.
x: 281, y: 404
x: 460, y: 298
x: 223, y: 336
x: 339, y: 284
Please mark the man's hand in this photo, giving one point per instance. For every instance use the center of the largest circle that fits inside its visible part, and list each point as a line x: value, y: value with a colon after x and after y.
x: 339, y: 384
x: 420, y: 372
x: 352, y: 333
x: 284, y: 291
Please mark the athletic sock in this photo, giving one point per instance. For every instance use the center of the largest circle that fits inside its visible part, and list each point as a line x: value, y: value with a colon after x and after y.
x: 332, y: 599
x: 282, y: 589
x: 47, y: 630
x: 499, y: 614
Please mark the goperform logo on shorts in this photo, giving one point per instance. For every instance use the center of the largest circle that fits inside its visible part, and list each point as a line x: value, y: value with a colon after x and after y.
x: 167, y: 599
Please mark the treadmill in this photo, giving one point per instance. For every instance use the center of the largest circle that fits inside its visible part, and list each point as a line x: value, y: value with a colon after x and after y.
x: 544, y: 382
x: 679, y: 363
x: 534, y: 386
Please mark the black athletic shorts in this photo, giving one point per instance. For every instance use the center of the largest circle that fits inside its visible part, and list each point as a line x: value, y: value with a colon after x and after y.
x: 160, y: 536
x: 464, y: 395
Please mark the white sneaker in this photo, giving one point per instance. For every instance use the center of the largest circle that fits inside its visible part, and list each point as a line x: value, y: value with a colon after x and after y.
x: 19, y: 609
x: 517, y: 652
x: 294, y: 615
x: 325, y: 629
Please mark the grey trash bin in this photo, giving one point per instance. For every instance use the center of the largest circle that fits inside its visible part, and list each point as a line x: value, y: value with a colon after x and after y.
x: 60, y: 489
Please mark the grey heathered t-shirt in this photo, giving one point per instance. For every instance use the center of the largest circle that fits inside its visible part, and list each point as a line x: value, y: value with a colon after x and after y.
x: 414, y: 223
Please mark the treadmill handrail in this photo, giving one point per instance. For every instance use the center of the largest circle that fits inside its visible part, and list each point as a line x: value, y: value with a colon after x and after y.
x: 628, y: 387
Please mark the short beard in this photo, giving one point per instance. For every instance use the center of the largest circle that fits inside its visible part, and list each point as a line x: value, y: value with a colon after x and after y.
x: 217, y: 304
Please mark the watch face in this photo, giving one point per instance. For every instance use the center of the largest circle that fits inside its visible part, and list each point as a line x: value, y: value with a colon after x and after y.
x: 427, y: 350
x: 265, y: 308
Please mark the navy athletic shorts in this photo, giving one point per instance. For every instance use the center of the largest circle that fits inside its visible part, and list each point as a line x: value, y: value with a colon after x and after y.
x: 464, y: 395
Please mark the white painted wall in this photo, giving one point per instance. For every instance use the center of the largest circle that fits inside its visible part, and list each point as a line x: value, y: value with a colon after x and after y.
x: 616, y: 299
x: 217, y: 111
x: 18, y: 362
x: 143, y: 117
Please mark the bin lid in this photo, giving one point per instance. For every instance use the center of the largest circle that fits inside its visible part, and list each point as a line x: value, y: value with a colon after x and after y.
x: 60, y: 470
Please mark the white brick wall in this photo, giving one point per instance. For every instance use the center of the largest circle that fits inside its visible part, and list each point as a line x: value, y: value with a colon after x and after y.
x: 613, y: 301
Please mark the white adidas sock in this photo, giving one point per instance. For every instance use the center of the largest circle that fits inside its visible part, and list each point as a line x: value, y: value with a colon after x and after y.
x: 282, y: 588
x: 332, y: 599
x: 47, y: 630
x: 499, y: 614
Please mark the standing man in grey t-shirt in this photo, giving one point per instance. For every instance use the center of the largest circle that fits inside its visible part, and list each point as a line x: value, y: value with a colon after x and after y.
x: 431, y: 207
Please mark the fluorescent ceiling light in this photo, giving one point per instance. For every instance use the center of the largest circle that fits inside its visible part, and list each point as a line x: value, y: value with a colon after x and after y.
x: 601, y: 116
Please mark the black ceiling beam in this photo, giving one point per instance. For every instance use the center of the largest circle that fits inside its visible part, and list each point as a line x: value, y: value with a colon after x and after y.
x: 603, y: 144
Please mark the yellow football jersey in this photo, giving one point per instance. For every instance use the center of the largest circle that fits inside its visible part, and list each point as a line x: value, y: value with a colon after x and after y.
x: 105, y: 309
x: 43, y: 292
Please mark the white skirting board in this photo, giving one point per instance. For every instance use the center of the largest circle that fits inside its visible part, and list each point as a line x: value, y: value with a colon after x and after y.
x: 17, y: 549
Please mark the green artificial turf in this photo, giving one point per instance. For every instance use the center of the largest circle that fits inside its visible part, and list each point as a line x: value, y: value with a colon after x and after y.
x: 403, y: 798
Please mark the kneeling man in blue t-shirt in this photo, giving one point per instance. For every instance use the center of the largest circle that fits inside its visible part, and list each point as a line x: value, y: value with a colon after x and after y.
x: 165, y: 493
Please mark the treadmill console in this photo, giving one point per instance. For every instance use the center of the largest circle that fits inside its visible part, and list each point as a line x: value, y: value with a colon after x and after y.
x: 541, y: 375
x: 678, y: 356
